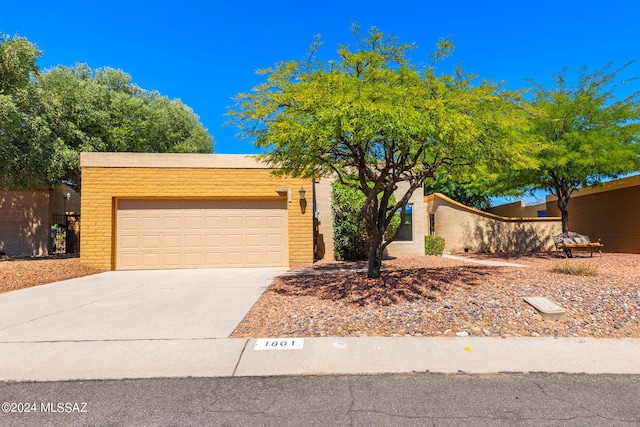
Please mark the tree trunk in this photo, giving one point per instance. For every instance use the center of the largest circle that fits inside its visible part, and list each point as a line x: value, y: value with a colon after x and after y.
x: 375, y: 257
x: 563, y: 205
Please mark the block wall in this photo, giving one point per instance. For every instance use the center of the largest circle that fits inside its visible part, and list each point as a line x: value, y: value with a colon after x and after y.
x: 468, y: 230
x: 103, y: 186
x: 25, y: 222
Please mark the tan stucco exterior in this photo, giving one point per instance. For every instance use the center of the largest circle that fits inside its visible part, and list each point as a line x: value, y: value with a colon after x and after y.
x: 326, y: 233
x: 465, y: 229
x: 109, y: 177
x: 609, y: 212
x: 26, y: 217
x: 519, y: 210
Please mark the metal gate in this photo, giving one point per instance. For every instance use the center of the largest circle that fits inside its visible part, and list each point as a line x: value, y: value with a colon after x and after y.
x: 65, y: 234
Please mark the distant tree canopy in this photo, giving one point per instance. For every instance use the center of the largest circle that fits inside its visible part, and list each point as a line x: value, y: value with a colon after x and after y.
x: 48, y: 118
x: 587, y: 134
x: 473, y: 193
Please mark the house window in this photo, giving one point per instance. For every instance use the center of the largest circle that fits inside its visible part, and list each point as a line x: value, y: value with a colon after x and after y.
x: 432, y: 224
x: 406, y: 228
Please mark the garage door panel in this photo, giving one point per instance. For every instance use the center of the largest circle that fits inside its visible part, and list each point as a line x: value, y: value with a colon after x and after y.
x: 234, y: 222
x: 214, y: 258
x: 151, y: 241
x: 213, y: 222
x: 172, y: 241
x: 255, y: 222
x: 274, y: 240
x: 274, y: 222
x: 151, y: 260
x: 193, y: 241
x: 234, y: 258
x: 252, y: 240
x: 194, y: 223
x: 214, y: 241
x: 130, y: 242
x: 194, y: 259
x: 273, y: 256
x: 129, y: 223
x: 205, y: 233
x: 172, y: 223
x: 173, y: 259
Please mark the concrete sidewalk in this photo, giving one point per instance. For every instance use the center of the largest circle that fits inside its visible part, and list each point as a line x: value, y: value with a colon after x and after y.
x: 79, y: 360
x: 484, y: 261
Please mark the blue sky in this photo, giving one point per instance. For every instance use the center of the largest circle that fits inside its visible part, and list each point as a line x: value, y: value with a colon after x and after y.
x: 206, y: 52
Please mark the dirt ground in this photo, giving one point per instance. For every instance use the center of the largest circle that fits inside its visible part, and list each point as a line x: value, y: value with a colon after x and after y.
x: 434, y: 296
x: 27, y: 272
x: 420, y: 296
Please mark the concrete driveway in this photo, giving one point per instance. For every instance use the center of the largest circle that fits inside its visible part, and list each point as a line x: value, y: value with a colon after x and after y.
x: 134, y: 305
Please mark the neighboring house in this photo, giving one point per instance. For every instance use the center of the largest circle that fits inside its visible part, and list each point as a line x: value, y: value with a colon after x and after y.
x: 465, y: 229
x: 39, y: 222
x: 520, y: 210
x: 610, y: 212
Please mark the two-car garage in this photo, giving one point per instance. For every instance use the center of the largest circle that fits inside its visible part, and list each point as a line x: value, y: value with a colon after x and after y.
x: 166, y: 211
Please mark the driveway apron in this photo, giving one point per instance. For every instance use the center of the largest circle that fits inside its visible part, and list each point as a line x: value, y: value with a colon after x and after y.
x: 134, y: 305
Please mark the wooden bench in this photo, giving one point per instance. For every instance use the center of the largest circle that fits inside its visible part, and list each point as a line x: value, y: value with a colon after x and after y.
x: 570, y: 240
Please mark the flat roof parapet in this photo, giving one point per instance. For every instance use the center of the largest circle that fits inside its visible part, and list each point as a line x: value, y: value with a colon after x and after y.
x: 170, y: 160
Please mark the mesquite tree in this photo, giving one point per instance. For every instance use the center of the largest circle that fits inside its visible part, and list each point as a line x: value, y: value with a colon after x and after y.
x: 372, y: 119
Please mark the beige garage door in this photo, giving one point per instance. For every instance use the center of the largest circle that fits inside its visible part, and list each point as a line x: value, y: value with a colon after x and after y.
x: 157, y: 234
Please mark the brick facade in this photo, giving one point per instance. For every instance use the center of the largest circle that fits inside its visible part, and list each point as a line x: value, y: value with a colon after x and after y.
x: 107, y: 177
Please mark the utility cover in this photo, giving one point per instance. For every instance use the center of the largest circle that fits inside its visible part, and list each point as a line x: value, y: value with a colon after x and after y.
x: 547, y: 309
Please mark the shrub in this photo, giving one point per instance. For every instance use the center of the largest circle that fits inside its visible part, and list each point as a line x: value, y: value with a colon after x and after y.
x: 351, y: 241
x: 433, y: 245
x: 577, y: 268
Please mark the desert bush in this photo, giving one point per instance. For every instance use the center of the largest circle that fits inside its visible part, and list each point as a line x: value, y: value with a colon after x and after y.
x: 351, y: 241
x: 576, y: 268
x: 433, y: 245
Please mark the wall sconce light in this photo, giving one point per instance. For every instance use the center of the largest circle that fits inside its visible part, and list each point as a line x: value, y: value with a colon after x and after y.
x: 302, y: 192
x: 67, y: 196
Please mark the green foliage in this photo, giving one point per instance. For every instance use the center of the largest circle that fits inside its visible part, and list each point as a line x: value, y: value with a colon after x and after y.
x: 375, y: 120
x: 587, y: 135
x: 25, y: 142
x: 573, y: 268
x: 47, y: 119
x: 350, y: 236
x: 105, y: 111
x: 471, y: 193
x: 433, y: 245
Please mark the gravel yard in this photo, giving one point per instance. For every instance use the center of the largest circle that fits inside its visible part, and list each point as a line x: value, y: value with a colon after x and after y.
x: 436, y: 296
x: 24, y: 273
x: 420, y: 296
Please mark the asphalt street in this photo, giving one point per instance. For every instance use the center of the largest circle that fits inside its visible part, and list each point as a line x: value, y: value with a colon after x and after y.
x: 419, y: 399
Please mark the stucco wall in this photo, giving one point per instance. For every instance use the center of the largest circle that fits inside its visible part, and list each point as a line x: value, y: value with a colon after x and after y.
x: 325, y: 236
x: 60, y: 205
x: 326, y: 231
x: 107, y: 177
x: 25, y: 222
x: 416, y: 246
x: 468, y: 230
x: 518, y: 210
x: 610, y: 213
